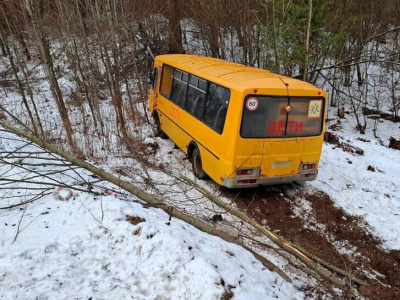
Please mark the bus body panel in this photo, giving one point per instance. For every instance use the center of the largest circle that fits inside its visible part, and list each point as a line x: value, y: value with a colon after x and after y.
x: 281, y: 157
x: 183, y: 129
x: 276, y: 158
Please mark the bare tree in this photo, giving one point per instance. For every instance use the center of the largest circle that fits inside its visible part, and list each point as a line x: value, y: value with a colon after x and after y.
x: 307, y: 41
x: 34, y: 16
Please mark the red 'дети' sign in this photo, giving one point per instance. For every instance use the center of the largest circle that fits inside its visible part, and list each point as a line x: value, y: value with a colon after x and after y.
x: 279, y: 127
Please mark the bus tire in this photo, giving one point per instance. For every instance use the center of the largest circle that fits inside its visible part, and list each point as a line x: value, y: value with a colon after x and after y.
x: 197, y: 165
x: 159, y: 131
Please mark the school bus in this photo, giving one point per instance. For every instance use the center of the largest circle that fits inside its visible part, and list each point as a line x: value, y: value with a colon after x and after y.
x: 240, y: 126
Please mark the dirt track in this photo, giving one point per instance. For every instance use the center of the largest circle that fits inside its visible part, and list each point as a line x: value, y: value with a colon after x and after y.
x: 326, y: 231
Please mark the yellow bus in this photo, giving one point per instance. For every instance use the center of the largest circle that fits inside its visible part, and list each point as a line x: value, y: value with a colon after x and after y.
x: 241, y: 126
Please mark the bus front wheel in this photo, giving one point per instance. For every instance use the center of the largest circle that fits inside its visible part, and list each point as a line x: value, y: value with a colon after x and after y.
x: 198, y: 165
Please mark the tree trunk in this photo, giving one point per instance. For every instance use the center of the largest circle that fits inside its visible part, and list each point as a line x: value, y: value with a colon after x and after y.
x: 2, y: 46
x: 22, y: 91
x: 24, y: 46
x: 84, y: 83
x: 15, y: 68
x: 347, y: 75
x: 44, y: 49
x: 57, y: 94
x: 307, y: 46
x: 174, y: 27
x: 213, y: 40
x: 275, y: 35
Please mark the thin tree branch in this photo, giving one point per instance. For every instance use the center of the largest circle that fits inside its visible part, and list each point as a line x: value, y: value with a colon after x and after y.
x: 19, y: 224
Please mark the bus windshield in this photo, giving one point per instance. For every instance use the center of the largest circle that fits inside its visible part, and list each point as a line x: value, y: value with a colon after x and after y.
x: 269, y: 116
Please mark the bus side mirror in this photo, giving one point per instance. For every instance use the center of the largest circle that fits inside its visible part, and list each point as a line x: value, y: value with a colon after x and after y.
x: 149, y: 78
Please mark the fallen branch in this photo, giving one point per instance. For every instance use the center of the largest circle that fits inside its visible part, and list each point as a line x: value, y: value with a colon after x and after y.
x: 308, y: 259
x: 149, y: 199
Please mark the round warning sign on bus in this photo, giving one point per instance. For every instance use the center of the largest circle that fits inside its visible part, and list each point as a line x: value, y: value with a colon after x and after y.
x: 252, y: 103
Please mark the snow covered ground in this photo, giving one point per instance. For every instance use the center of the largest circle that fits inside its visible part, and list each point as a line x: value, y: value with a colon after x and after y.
x: 365, y: 185
x: 86, y: 247
x: 83, y: 246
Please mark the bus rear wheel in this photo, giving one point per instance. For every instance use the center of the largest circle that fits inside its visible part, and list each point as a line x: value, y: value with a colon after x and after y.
x: 197, y: 165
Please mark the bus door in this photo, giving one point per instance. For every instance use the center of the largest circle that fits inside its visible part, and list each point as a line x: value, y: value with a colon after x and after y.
x: 154, y: 78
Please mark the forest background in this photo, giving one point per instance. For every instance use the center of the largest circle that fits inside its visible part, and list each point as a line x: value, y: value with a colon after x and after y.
x: 102, y: 46
x: 73, y: 73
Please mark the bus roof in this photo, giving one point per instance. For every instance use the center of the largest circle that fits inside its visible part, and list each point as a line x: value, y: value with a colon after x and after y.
x: 232, y: 75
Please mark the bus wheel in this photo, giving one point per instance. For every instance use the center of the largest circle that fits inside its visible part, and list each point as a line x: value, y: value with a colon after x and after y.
x: 198, y: 165
x: 159, y: 132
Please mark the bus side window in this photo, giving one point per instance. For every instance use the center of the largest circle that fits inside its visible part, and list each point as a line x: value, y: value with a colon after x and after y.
x: 176, y: 87
x: 184, y: 87
x: 179, y: 87
x: 196, y: 96
x: 216, y: 107
x: 166, y: 81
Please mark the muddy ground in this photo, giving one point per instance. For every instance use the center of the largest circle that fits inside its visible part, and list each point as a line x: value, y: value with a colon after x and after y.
x: 326, y: 231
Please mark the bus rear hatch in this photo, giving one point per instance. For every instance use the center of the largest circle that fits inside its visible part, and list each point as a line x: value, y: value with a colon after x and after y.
x: 281, y: 158
x: 287, y: 125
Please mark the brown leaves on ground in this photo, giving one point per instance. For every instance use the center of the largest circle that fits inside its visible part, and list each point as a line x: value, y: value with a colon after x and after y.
x: 273, y: 207
x: 134, y: 219
x: 331, y: 138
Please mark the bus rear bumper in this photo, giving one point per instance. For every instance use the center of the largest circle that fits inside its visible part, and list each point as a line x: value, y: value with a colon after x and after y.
x: 254, y: 182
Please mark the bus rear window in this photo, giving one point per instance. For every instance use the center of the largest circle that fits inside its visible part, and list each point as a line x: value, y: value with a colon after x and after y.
x: 267, y: 116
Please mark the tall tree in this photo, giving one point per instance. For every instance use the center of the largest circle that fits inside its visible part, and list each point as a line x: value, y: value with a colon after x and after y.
x: 173, y: 14
x: 35, y: 17
x: 307, y: 41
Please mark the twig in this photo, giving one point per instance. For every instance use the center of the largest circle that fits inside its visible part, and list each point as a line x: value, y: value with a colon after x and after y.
x: 19, y: 224
x: 26, y: 202
x: 56, y: 184
x: 99, y: 221
x: 15, y: 118
x: 101, y: 207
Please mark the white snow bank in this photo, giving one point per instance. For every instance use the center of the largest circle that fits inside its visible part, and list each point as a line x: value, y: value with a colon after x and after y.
x: 85, y: 248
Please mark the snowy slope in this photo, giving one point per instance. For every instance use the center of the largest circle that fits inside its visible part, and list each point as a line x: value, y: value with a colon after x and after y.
x: 85, y: 248
x: 67, y: 251
x: 365, y: 185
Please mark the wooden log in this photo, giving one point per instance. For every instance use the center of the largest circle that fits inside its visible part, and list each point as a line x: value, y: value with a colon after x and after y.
x: 146, y: 197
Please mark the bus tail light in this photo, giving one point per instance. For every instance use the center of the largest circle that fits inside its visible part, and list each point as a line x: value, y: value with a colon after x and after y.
x: 244, y: 172
x: 247, y: 181
x: 308, y: 175
x: 309, y: 166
